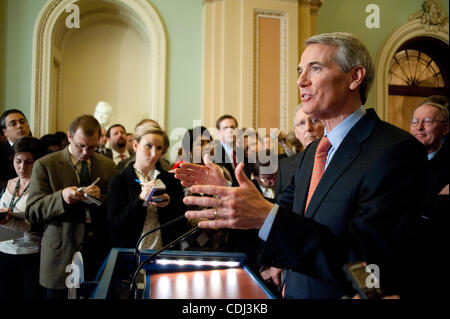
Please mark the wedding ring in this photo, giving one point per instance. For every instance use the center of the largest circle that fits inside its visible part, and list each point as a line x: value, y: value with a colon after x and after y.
x: 215, y: 214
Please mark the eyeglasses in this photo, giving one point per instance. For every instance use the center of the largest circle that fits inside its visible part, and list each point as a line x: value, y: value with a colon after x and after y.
x: 426, y: 122
x: 302, y: 124
x: 85, y: 147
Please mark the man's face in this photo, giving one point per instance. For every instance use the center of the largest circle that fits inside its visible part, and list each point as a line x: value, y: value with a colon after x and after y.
x: 16, y: 127
x: 103, y: 138
x: 427, y: 127
x: 117, y: 137
x: 226, y: 130
x: 81, y: 146
x: 324, y: 87
x: 307, y: 129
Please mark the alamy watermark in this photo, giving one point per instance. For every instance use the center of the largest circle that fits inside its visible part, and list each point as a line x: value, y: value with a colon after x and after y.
x: 373, y: 279
x: 73, y: 19
x: 243, y: 141
x: 373, y: 19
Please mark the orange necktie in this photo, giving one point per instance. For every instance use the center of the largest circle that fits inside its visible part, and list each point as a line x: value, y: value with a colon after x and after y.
x: 319, y: 167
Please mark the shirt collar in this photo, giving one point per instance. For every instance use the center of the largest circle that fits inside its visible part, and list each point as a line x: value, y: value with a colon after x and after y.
x: 117, y: 154
x: 145, y: 178
x: 433, y: 154
x: 75, y: 162
x: 337, y: 134
x: 228, y: 148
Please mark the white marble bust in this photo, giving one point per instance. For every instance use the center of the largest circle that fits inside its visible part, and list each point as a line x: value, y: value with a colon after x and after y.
x: 103, y: 112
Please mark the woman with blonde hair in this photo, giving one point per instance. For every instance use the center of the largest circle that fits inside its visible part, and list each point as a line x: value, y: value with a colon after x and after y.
x: 130, y: 214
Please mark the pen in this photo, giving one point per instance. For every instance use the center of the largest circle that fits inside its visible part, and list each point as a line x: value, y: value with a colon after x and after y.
x: 96, y: 181
x: 81, y: 189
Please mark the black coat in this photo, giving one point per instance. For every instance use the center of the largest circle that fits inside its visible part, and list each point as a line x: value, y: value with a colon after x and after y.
x: 7, y: 170
x: 126, y: 213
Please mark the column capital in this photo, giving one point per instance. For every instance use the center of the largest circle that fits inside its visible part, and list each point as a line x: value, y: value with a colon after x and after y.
x: 313, y: 5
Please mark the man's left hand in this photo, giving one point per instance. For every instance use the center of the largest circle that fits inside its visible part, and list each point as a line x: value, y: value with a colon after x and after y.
x: 240, y: 207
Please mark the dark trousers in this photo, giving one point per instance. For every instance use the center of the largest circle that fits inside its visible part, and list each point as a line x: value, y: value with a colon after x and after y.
x: 19, y: 277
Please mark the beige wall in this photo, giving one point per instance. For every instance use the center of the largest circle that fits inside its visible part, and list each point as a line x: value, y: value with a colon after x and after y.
x: 232, y: 69
x: 106, y: 61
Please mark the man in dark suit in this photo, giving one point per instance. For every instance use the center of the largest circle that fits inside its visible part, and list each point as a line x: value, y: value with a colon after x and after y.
x: 429, y: 124
x: 372, y: 180
x: 14, y: 125
x: 307, y: 129
x: 56, y: 200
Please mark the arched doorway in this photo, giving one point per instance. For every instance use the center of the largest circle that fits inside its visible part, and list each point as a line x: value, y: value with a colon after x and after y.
x: 117, y: 55
x: 418, y: 69
x: 422, y: 29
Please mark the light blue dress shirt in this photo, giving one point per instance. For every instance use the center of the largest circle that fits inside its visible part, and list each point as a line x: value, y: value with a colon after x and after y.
x: 336, y: 136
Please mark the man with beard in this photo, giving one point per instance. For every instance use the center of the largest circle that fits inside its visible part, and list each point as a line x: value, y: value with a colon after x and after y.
x: 118, y: 142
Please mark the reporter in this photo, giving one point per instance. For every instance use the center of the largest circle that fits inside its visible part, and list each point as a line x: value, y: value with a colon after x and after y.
x: 19, y: 258
x: 128, y: 215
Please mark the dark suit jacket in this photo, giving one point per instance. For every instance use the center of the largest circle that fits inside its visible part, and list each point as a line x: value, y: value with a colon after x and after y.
x: 126, y: 214
x: 64, y: 225
x: 438, y: 170
x: 286, y: 171
x: 374, y: 179
x: 7, y: 170
x: 106, y: 152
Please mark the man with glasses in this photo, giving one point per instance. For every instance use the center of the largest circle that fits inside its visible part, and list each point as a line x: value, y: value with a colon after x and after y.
x: 57, y: 200
x: 429, y: 124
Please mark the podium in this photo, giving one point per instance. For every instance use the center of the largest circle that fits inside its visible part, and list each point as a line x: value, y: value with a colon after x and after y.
x: 181, y: 275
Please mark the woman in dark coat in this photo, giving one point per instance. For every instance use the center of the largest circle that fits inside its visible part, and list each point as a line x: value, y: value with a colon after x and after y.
x: 129, y: 216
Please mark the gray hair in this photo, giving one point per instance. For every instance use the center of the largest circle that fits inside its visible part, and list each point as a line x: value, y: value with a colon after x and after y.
x: 350, y: 53
x: 439, y: 102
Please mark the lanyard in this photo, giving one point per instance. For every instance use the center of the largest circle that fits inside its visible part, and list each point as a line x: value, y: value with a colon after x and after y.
x: 13, y: 203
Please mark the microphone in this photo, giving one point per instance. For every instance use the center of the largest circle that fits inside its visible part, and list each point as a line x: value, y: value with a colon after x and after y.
x: 155, y: 254
x: 136, y: 250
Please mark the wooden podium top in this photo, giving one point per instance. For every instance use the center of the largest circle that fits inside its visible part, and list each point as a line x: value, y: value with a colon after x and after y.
x: 231, y: 283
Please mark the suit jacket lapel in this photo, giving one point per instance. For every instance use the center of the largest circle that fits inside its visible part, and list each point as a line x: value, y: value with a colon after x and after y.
x: 67, y: 169
x: 342, y: 159
x: 303, y: 177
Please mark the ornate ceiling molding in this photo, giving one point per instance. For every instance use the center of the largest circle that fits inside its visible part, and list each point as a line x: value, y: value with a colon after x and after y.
x: 431, y: 16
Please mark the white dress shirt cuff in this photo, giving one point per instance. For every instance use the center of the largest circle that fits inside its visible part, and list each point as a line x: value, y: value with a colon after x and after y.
x: 267, y: 226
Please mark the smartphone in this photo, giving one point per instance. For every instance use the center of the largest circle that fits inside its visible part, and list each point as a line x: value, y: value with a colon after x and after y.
x: 156, y: 190
x: 357, y: 274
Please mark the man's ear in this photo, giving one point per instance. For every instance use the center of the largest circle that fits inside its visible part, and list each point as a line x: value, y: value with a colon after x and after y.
x: 69, y: 137
x: 135, y: 146
x: 357, y: 76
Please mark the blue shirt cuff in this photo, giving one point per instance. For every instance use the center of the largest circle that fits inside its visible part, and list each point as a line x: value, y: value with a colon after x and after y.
x: 267, y: 226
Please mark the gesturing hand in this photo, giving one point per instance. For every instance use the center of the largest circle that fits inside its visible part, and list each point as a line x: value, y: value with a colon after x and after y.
x: 195, y: 174
x: 240, y: 207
